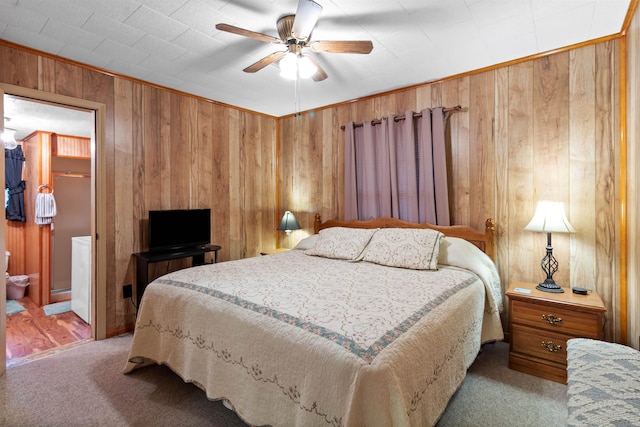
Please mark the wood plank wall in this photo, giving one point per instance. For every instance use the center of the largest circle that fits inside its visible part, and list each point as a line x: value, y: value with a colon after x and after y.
x: 165, y: 150
x: 633, y: 179
x: 547, y: 128
x: 32, y: 242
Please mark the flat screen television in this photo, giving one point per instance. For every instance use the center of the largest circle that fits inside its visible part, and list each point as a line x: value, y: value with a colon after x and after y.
x: 179, y: 229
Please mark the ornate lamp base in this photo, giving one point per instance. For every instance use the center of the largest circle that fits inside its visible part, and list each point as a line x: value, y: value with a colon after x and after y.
x: 549, y: 287
x: 549, y: 266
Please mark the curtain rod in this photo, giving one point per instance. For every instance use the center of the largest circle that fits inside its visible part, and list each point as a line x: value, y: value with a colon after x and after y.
x: 402, y: 117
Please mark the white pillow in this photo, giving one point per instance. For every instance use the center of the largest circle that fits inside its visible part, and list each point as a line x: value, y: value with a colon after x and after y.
x: 463, y: 254
x: 307, y: 242
x: 414, y: 248
x: 454, y: 250
x: 341, y: 243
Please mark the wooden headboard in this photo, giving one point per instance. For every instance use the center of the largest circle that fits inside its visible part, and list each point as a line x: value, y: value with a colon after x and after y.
x: 486, y: 240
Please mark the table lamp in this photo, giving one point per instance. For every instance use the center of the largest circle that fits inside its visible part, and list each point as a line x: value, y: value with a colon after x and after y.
x: 549, y: 218
x: 288, y: 223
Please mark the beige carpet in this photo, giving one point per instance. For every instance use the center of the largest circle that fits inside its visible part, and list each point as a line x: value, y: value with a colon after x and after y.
x: 494, y: 395
x: 85, y: 386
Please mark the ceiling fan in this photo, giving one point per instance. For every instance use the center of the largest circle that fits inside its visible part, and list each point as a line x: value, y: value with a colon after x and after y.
x: 295, y: 35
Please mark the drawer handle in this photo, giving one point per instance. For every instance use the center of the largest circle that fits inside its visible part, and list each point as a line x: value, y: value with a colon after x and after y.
x: 552, y: 319
x: 551, y: 346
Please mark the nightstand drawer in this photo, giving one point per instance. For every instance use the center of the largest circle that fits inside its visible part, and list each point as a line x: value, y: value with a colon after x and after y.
x: 541, y: 323
x: 539, y: 343
x: 556, y: 319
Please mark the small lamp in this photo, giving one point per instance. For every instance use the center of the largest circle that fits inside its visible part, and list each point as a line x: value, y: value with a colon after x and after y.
x: 288, y: 223
x: 549, y: 218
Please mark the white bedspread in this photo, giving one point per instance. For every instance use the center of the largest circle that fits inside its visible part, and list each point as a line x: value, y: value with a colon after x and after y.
x: 291, y: 339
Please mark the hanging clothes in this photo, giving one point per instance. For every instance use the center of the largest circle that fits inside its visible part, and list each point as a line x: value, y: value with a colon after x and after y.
x: 45, y: 207
x: 13, y: 184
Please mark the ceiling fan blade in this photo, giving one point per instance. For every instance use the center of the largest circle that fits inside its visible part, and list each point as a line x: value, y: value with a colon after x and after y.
x: 343, y: 46
x: 248, y: 33
x: 307, y: 16
x: 320, y: 74
x: 269, y: 59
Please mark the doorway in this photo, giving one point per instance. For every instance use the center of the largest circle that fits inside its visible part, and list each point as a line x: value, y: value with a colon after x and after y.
x: 72, y: 189
x: 98, y: 203
x: 76, y: 215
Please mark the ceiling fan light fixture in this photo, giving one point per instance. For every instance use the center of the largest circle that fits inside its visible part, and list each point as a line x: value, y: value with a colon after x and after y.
x: 295, y: 34
x: 289, y: 66
x: 8, y: 138
x: 293, y: 64
x: 306, y: 67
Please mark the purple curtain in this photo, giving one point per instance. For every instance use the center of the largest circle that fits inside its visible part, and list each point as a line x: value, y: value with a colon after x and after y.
x: 398, y: 169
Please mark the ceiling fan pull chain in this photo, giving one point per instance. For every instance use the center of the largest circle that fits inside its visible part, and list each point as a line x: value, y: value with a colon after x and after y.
x: 296, y: 90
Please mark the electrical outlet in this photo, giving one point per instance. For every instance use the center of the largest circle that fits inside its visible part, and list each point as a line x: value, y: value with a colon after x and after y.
x: 127, y: 291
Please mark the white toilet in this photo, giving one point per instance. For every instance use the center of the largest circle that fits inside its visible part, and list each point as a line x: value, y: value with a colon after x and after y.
x: 6, y: 263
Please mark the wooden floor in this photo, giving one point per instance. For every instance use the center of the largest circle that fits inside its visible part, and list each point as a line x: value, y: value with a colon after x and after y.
x: 31, y: 331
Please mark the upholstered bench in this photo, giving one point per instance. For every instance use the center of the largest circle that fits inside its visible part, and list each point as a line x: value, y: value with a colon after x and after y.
x: 603, y: 384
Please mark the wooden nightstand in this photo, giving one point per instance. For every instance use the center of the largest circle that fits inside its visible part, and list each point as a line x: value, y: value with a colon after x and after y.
x: 541, y: 323
x: 273, y: 251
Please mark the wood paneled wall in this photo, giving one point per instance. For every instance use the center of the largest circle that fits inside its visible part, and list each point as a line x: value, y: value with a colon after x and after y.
x: 633, y: 179
x: 165, y: 150
x: 547, y: 128
x: 37, y: 238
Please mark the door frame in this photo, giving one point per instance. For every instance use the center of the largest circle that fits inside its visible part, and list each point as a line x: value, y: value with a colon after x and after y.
x: 98, y: 204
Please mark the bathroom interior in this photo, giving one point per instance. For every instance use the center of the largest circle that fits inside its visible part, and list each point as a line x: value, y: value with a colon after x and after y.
x: 47, y: 226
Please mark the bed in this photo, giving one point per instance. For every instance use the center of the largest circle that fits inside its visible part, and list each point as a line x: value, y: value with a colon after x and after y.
x: 364, y: 323
x: 603, y: 383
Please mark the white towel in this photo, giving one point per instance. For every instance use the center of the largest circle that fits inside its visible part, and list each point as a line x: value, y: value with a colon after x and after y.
x: 45, y: 208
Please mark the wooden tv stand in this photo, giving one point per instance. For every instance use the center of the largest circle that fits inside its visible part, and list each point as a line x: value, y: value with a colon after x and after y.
x: 143, y: 259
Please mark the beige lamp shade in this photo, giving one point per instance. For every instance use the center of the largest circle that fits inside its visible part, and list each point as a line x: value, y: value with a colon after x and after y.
x: 550, y: 218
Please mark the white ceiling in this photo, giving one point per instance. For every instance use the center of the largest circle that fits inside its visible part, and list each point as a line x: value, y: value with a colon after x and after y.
x: 27, y: 116
x: 174, y: 43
